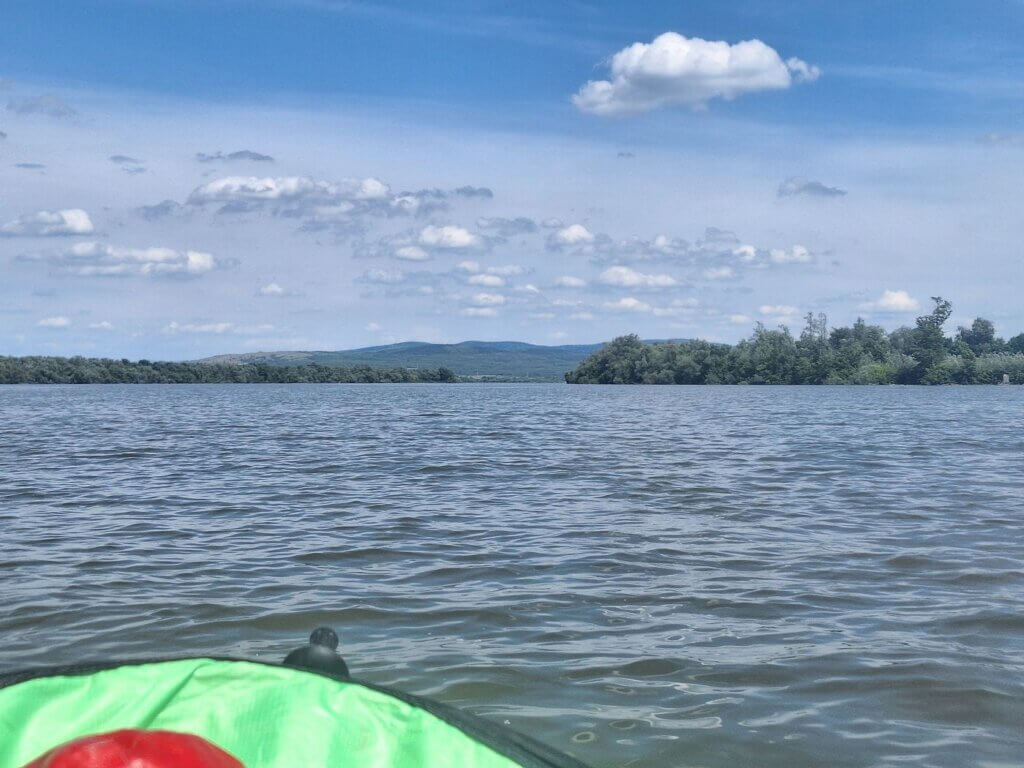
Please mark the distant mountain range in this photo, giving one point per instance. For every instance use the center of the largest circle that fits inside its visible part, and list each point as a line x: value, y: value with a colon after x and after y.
x: 514, y: 360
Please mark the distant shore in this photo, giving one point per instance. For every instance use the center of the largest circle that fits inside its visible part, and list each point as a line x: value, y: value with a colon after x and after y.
x: 861, y: 354
x: 87, y: 370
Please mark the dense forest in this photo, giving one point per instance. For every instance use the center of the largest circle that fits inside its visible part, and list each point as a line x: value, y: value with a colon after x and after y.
x: 861, y: 354
x: 84, y: 370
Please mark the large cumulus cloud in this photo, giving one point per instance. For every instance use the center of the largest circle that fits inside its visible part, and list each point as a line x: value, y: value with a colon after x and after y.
x: 677, y: 70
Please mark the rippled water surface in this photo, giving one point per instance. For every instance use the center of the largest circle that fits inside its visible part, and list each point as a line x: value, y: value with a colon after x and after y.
x: 639, y: 576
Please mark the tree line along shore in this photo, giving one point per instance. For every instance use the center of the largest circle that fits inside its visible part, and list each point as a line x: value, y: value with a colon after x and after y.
x: 861, y: 354
x: 84, y: 370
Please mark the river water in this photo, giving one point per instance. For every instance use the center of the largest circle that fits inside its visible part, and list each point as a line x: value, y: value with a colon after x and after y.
x: 675, y: 576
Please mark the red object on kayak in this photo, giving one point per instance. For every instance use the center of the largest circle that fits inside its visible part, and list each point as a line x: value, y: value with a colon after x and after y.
x: 137, y: 749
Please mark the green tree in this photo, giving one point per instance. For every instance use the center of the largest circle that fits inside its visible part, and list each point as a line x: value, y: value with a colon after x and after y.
x: 928, y: 345
x: 980, y: 337
x: 1015, y: 345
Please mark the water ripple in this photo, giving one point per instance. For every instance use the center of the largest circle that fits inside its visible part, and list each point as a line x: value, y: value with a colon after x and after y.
x: 639, y: 576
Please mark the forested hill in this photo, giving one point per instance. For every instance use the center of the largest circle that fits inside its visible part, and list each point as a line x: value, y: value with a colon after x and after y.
x: 469, y: 359
x: 861, y: 354
x: 84, y: 370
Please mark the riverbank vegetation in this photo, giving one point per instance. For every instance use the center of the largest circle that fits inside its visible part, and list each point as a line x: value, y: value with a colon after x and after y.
x: 84, y: 370
x: 860, y: 354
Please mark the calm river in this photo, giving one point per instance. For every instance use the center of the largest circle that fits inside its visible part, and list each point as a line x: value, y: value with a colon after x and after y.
x: 677, y: 576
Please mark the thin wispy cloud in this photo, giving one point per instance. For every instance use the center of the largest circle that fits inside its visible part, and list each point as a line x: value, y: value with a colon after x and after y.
x: 506, y: 227
x: 797, y: 185
x: 45, y: 104
x: 160, y: 210
x: 1002, y: 139
x: 468, y: 191
x: 129, y: 165
x: 58, y: 321
x: 242, y: 154
x: 94, y: 259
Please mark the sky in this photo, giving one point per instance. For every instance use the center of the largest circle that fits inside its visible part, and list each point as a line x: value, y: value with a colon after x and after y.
x: 183, y: 178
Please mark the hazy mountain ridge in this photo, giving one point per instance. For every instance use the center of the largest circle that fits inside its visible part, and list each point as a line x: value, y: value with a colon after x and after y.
x: 503, y: 359
x: 497, y: 359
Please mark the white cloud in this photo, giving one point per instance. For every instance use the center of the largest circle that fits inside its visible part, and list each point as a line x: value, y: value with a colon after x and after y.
x: 781, y: 310
x: 411, y: 253
x: 507, y: 270
x: 677, y: 307
x: 798, y: 254
x: 54, y: 322
x: 241, y: 154
x: 740, y: 319
x: 630, y: 278
x: 271, y: 289
x: 574, y: 234
x: 374, y: 327
x: 797, y: 185
x: 551, y: 223
x: 319, y: 204
x: 581, y: 316
x: 276, y: 290
x: 92, y: 259
x: 746, y: 253
x: 371, y: 189
x: 103, y: 325
x: 568, y: 281
x: 174, y: 327
x: 893, y: 301
x: 468, y: 266
x: 250, y: 188
x: 217, y: 328
x: 480, y: 311
x: 488, y: 299
x: 628, y: 304
x: 448, y: 237
x: 718, y: 273
x: 802, y: 71
x: 491, y: 281
x: 676, y: 70
x: 70, y: 221
x: 383, y: 276
x: 285, y: 188
x: 667, y: 245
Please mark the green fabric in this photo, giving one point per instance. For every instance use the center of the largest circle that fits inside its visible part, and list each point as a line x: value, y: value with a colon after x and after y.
x: 266, y: 716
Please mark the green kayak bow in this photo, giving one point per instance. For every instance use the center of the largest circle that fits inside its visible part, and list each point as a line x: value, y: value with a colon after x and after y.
x: 264, y: 715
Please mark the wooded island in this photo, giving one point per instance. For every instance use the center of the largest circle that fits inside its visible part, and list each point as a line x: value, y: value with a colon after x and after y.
x: 861, y: 354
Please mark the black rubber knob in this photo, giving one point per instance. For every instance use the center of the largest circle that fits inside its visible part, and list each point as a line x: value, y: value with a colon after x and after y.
x: 324, y: 636
x: 320, y: 655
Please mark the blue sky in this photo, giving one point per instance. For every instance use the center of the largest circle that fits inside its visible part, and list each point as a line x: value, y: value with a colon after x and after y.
x: 186, y: 178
